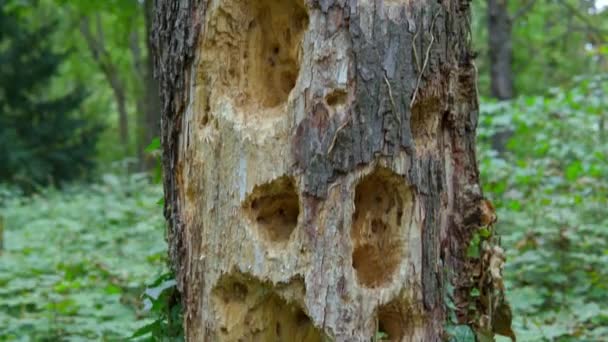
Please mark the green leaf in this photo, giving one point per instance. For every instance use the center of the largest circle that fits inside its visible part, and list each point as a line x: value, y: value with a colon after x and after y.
x: 147, y: 329
x: 485, y: 233
x: 573, y: 171
x: 153, y: 146
x: 380, y: 335
x: 155, y: 291
x: 473, y: 249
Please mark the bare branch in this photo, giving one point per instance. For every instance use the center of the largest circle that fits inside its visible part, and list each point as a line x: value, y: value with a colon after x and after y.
x: 596, y: 31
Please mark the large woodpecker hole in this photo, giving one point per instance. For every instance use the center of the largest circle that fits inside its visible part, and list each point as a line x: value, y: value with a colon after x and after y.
x: 394, y: 320
x: 250, y: 310
x: 382, y: 202
x: 255, y: 48
x: 274, y: 208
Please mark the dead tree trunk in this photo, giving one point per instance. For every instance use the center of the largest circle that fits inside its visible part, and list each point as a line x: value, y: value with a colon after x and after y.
x: 319, y: 166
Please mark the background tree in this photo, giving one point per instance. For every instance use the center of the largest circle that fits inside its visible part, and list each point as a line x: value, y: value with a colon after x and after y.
x: 529, y: 50
x: 43, y: 139
x: 500, y: 49
x: 148, y: 100
x: 112, y: 44
x: 551, y: 41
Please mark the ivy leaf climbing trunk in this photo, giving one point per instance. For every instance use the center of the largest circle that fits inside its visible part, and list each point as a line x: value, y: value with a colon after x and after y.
x: 319, y: 169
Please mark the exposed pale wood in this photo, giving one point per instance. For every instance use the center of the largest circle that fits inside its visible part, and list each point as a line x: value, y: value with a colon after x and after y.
x: 308, y: 197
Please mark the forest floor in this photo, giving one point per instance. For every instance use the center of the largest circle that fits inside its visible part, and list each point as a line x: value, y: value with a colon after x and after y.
x: 75, y: 263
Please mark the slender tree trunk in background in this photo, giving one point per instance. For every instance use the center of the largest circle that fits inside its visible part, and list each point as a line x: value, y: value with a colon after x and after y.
x: 152, y: 99
x: 97, y: 46
x: 501, y: 50
x: 501, y: 67
x: 148, y: 101
x: 140, y: 93
x: 141, y: 129
x: 319, y: 167
x: 123, y: 118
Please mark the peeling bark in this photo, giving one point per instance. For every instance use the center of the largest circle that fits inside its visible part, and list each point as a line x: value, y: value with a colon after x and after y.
x: 319, y: 165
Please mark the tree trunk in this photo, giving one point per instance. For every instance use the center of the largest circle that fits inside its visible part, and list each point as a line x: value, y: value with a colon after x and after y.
x: 501, y: 50
x: 319, y: 166
x: 148, y: 102
x: 152, y: 100
x: 97, y: 46
x: 501, y: 62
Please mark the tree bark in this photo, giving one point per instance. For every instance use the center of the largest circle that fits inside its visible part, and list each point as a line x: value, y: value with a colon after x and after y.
x: 319, y: 166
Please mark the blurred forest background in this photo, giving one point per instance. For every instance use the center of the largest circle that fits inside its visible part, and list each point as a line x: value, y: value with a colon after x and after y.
x: 81, y: 228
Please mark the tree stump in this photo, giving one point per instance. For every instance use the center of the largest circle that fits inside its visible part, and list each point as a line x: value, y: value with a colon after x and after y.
x: 319, y: 166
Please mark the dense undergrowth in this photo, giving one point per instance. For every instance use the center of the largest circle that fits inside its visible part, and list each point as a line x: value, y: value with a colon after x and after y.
x: 551, y: 190
x: 76, y: 262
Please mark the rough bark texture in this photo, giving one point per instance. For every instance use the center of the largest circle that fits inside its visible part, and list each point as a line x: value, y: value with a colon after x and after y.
x: 319, y: 165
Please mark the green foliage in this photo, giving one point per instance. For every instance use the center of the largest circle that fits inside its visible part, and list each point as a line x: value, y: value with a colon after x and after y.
x: 119, y: 27
x: 42, y: 138
x: 153, y: 146
x: 75, y: 261
x: 163, y: 300
x: 380, y: 336
x: 455, y: 332
x: 552, y: 42
x: 460, y: 333
x: 551, y: 188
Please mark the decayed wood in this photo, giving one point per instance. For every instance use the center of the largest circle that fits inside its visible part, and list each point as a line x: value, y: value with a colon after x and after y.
x: 319, y: 165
